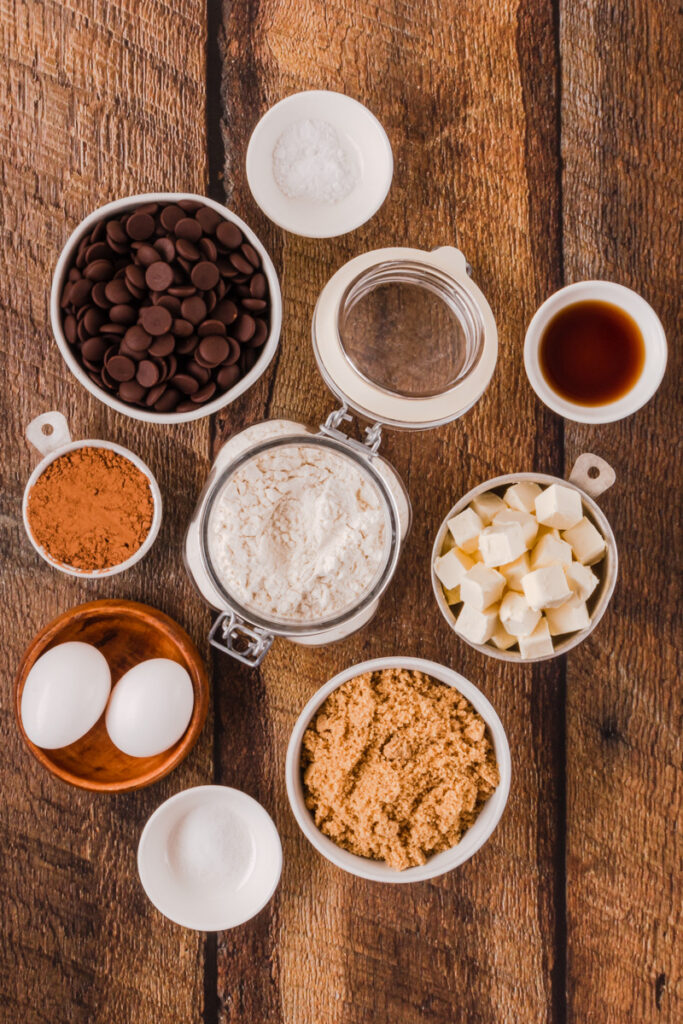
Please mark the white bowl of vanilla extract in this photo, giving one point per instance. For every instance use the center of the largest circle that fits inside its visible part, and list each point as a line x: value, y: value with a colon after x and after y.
x: 595, y: 352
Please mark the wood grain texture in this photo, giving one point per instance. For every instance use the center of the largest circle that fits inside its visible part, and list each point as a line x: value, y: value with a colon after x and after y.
x: 539, y: 138
x: 101, y: 100
x: 622, y: 206
x: 458, y: 90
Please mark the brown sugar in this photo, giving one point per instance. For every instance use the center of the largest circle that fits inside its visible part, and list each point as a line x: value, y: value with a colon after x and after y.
x: 397, y: 766
x: 90, y: 509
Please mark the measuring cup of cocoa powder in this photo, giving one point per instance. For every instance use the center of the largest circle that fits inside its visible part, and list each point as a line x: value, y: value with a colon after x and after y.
x: 90, y: 508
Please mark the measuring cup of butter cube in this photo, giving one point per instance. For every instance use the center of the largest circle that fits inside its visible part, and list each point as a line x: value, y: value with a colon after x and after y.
x: 298, y: 531
x: 524, y: 566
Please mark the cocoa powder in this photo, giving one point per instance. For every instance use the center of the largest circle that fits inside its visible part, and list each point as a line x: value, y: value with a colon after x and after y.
x: 91, y: 509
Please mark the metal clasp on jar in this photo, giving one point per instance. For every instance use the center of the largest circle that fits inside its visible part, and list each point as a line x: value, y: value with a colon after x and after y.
x: 233, y: 636
x: 373, y: 434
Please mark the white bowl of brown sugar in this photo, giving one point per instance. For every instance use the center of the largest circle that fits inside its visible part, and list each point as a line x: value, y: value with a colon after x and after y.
x: 398, y: 770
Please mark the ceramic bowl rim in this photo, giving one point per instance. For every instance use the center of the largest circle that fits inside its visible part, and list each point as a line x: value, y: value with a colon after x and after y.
x: 654, y: 340
x: 573, y: 639
x: 268, y: 350
x: 275, y: 214
x: 185, y: 796
x: 440, y: 863
x: 113, y: 570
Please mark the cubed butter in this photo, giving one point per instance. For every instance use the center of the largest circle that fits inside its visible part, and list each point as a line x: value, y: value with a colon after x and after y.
x: 551, y: 551
x: 587, y: 543
x: 581, y: 579
x: 502, y: 639
x: 526, y: 521
x: 465, y: 529
x: 559, y: 506
x: 538, y: 644
x: 448, y: 543
x: 501, y: 543
x: 514, y: 571
x: 481, y: 587
x: 543, y: 530
x: 487, y: 505
x: 517, y: 615
x: 569, y: 617
x: 546, y: 587
x: 451, y: 567
x: 522, y: 496
x: 476, y: 626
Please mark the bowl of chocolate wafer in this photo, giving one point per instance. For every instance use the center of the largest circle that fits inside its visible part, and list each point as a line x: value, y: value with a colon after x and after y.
x: 165, y: 306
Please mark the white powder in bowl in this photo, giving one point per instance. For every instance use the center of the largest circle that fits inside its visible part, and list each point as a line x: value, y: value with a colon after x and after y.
x: 299, y: 532
x: 309, y: 162
x: 211, y: 845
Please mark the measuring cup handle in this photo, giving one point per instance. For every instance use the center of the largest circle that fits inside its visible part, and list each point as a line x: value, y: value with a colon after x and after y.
x: 450, y: 260
x: 48, y: 432
x: 592, y: 474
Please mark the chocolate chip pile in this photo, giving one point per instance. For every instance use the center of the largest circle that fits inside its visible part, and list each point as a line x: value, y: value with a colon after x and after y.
x: 166, y: 306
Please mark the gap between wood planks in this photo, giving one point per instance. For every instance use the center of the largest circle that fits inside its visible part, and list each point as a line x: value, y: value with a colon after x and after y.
x: 215, y: 190
x: 559, y: 975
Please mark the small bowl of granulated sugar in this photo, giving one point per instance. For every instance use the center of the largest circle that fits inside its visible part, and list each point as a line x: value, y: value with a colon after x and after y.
x: 398, y: 770
x: 210, y: 858
x: 319, y: 164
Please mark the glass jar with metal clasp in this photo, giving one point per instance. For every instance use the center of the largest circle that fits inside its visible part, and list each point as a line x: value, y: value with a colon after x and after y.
x: 404, y: 339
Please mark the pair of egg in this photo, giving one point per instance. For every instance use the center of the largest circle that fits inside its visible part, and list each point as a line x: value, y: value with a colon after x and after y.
x: 69, y: 687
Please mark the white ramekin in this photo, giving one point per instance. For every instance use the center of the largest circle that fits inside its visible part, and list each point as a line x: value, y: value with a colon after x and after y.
x: 589, y: 486
x: 359, y: 132
x: 56, y: 442
x: 440, y: 863
x: 199, y: 903
x: 653, y: 337
x: 65, y: 261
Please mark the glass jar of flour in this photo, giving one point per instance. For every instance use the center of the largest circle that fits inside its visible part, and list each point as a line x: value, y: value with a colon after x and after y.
x: 298, y: 532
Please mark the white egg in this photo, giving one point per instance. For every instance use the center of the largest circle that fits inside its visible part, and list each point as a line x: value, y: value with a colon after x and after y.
x: 65, y: 693
x: 150, y: 707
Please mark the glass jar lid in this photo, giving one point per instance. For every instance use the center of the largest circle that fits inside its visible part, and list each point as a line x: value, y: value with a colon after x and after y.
x: 404, y: 337
x: 299, y: 534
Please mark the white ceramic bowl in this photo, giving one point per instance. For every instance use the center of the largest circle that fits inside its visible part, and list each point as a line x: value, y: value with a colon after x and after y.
x: 65, y: 261
x: 440, y: 863
x: 606, y: 570
x: 56, y: 442
x: 653, y: 337
x: 203, y: 903
x: 361, y: 135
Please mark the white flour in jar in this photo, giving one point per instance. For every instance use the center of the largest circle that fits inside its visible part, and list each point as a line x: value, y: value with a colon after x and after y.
x: 298, y: 532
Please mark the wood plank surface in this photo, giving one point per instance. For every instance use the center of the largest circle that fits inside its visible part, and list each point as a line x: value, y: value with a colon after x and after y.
x: 457, y: 90
x: 539, y: 137
x: 103, y: 100
x: 622, y: 207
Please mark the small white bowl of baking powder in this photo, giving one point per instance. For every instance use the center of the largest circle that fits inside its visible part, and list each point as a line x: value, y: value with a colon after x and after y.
x: 319, y: 164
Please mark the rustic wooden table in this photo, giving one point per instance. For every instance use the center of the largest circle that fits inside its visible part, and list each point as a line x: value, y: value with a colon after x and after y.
x: 540, y: 137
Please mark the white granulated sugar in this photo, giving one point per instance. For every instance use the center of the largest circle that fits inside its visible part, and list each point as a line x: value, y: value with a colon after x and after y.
x: 210, y: 845
x: 299, y: 532
x: 309, y: 162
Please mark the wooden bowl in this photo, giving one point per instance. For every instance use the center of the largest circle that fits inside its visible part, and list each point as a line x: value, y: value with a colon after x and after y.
x: 126, y: 633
